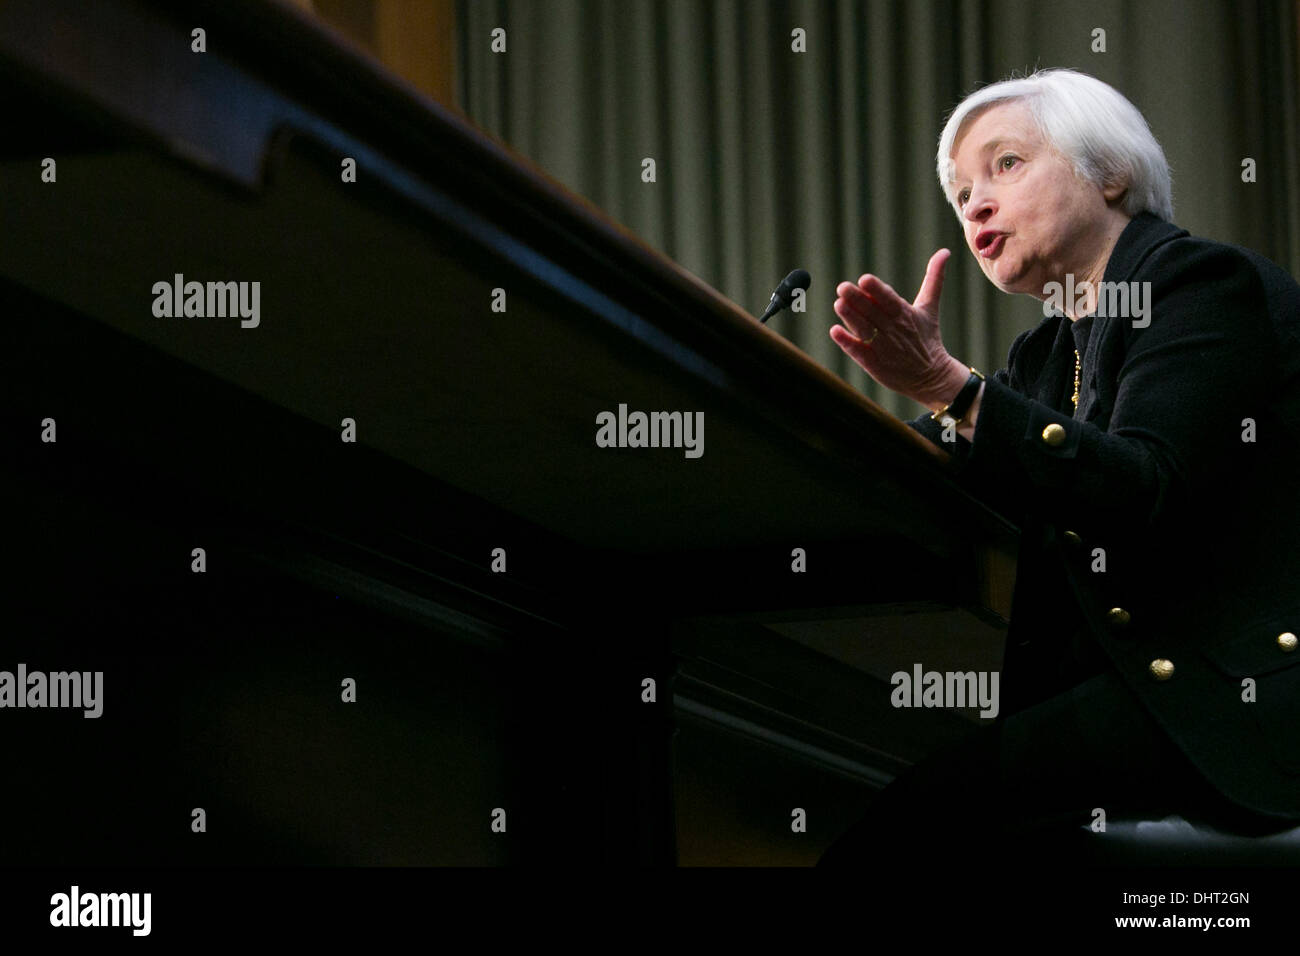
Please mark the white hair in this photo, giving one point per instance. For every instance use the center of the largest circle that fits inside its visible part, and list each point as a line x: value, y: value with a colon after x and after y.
x: 1099, y: 132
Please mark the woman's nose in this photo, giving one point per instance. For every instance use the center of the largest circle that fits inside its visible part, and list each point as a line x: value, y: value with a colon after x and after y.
x: 979, y: 206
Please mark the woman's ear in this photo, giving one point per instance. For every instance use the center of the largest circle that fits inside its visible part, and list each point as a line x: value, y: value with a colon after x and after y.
x: 1114, y: 192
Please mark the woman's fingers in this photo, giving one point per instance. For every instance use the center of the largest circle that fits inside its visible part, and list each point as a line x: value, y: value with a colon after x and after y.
x: 927, y: 300
x: 853, y: 346
x: 876, y: 307
x: 871, y: 306
x: 860, y: 315
x: 857, y: 298
x: 889, y: 301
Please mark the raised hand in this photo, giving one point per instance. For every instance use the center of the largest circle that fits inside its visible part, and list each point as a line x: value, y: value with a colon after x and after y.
x: 898, y: 344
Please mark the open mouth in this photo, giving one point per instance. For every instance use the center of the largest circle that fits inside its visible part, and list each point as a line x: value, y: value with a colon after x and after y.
x: 990, y: 243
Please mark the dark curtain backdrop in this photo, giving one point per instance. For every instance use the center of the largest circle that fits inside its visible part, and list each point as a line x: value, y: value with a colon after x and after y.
x: 769, y: 159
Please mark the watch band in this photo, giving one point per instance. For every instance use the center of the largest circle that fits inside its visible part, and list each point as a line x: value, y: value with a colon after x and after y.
x: 959, y: 406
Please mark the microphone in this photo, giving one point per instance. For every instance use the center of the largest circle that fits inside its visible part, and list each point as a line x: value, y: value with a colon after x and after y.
x: 799, y: 279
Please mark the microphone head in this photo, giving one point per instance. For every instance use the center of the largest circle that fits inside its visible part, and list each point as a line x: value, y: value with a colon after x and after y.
x: 798, y: 279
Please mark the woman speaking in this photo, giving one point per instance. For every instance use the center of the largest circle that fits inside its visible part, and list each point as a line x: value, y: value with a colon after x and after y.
x: 1145, y: 436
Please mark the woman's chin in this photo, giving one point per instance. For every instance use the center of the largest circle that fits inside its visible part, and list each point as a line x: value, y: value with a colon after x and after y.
x: 1011, y: 281
x: 1008, y: 285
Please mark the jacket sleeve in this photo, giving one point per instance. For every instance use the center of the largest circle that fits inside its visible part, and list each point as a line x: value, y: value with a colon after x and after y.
x: 960, y: 448
x: 1184, y: 385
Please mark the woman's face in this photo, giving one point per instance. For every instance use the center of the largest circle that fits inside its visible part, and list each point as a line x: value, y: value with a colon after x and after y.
x: 1028, y: 218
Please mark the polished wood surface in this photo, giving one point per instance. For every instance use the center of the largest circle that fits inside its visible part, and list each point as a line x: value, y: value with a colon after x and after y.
x: 476, y: 429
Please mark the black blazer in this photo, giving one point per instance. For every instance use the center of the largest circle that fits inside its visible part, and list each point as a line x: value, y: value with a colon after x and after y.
x: 1161, y: 520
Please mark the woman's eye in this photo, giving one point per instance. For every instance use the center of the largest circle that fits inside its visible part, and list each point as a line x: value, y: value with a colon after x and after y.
x: 1007, y: 160
x: 962, y: 197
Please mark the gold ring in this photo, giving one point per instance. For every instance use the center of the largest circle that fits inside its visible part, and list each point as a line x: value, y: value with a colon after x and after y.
x: 874, y: 333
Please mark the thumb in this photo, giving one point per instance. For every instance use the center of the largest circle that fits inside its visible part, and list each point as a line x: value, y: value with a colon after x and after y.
x: 932, y: 286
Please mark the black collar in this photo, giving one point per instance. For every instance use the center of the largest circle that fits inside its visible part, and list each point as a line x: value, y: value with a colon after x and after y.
x: 1144, y: 233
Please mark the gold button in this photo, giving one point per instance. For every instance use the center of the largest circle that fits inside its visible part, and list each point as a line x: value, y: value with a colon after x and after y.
x: 1054, y: 434
x: 1073, y: 538
x: 1162, y: 669
x: 1286, y: 641
x: 1118, y: 616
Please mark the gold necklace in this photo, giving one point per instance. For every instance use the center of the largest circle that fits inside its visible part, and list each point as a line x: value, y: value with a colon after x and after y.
x: 1075, y: 398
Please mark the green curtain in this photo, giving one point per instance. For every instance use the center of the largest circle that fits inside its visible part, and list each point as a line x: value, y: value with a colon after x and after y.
x: 769, y: 160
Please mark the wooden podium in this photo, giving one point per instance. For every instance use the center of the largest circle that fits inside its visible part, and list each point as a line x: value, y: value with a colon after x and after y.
x: 607, y: 644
